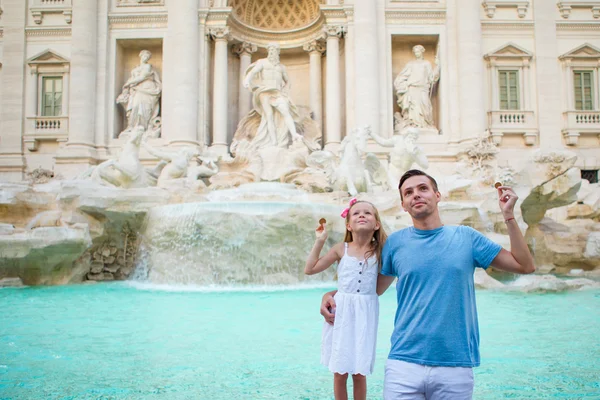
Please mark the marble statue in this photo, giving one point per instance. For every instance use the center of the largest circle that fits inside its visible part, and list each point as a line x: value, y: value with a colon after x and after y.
x: 126, y: 171
x: 47, y: 219
x: 405, y: 152
x: 268, y: 80
x: 206, y: 168
x: 413, y: 87
x: 175, y: 164
x: 353, y: 173
x: 140, y: 96
x: 348, y: 172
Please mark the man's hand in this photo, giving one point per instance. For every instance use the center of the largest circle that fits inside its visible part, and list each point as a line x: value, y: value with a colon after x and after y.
x: 507, y: 200
x: 328, y: 307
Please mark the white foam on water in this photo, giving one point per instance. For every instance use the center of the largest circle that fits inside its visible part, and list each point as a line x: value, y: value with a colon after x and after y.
x: 285, y: 191
x: 229, y: 288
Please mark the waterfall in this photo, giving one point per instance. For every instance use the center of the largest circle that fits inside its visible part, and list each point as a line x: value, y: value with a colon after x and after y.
x: 225, y: 243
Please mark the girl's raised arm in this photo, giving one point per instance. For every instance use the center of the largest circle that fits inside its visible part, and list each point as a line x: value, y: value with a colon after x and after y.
x: 316, y: 264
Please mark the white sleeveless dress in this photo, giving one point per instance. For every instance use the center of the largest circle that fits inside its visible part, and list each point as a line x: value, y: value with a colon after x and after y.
x: 349, y: 345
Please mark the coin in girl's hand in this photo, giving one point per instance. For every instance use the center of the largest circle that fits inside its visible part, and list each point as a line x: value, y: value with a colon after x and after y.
x: 497, y: 184
x: 322, y: 221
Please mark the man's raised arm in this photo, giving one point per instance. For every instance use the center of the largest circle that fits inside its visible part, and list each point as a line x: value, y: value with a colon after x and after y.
x: 519, y: 260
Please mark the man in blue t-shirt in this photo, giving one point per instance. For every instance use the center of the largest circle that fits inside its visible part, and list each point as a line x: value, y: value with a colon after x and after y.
x: 435, y: 342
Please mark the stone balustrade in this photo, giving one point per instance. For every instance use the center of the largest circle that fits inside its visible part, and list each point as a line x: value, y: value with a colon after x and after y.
x: 513, y: 122
x: 45, y: 128
x: 40, y: 7
x: 577, y: 123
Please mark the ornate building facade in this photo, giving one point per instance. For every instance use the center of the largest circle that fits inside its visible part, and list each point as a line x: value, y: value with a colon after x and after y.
x: 526, y: 72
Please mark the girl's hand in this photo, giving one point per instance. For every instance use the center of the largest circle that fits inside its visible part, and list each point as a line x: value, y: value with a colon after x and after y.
x: 321, y: 232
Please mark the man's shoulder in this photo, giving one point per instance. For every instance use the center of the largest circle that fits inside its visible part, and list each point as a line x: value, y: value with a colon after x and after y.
x: 399, y: 234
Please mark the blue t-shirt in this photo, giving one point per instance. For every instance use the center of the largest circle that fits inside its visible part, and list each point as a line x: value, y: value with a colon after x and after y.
x: 436, y: 319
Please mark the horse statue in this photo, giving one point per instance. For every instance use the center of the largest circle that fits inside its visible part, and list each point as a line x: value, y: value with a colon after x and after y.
x: 348, y: 171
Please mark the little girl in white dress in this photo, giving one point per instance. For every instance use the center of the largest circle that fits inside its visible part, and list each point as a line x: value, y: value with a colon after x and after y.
x: 348, y: 346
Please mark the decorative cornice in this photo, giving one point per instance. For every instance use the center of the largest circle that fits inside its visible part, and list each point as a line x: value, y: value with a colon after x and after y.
x: 577, y: 26
x: 203, y: 15
x: 334, y: 13
x: 156, y: 3
x: 218, y: 16
x: 349, y: 11
x: 507, y: 25
x: 45, y: 32
x: 136, y: 21
x: 416, y: 17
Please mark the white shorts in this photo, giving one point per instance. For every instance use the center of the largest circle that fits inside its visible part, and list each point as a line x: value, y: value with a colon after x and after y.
x: 405, y: 380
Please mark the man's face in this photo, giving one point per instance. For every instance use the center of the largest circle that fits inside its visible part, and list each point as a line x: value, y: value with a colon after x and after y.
x: 419, y: 198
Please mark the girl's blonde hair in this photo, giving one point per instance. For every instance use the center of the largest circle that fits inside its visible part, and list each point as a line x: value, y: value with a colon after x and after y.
x: 379, y: 236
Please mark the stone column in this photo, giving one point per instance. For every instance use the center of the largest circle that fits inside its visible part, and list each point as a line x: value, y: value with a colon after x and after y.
x: 221, y: 37
x: 526, y: 86
x: 549, y: 104
x: 471, y: 78
x: 82, y: 105
x: 495, y: 106
x: 180, y: 89
x: 12, y: 164
x: 66, y: 86
x: 333, y: 109
x: 350, y: 79
x: 315, y: 50
x: 366, y: 68
x: 450, y: 76
x: 244, y: 51
x: 102, y: 71
x: 32, y: 92
x: 569, y: 86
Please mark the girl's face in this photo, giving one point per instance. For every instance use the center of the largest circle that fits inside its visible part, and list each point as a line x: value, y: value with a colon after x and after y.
x: 362, y: 218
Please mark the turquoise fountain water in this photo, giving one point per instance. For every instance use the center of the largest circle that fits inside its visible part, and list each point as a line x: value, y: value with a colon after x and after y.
x: 132, y: 341
x: 219, y: 308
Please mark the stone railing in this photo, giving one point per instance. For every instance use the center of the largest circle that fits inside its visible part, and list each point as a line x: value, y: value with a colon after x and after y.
x: 490, y: 6
x: 45, y: 128
x: 566, y: 7
x: 40, y: 7
x: 515, y: 122
x: 577, y: 123
x: 589, y: 117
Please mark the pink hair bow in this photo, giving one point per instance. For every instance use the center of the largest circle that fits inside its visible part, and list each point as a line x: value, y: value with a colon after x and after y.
x: 344, y: 213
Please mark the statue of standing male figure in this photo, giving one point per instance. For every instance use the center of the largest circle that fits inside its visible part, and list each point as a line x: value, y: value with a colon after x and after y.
x: 275, y: 121
x: 268, y: 80
x: 413, y: 87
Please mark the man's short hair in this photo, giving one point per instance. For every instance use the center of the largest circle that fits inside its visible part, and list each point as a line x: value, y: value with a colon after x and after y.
x: 416, y: 172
